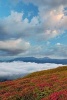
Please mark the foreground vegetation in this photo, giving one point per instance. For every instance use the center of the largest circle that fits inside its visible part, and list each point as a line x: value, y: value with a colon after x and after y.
x: 43, y: 85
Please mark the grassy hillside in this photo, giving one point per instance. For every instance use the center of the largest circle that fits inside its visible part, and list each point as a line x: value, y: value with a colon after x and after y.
x: 43, y: 85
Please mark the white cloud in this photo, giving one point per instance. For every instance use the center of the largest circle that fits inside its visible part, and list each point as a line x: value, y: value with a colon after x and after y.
x: 14, y: 46
x: 14, y: 26
x: 50, y: 22
x: 58, y: 44
x: 52, y: 17
x: 46, y: 25
x: 17, y: 69
x: 43, y: 27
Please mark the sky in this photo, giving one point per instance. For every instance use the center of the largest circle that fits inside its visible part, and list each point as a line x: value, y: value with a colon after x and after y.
x: 36, y: 28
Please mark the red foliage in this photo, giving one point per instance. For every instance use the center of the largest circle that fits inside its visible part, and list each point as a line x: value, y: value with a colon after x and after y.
x: 51, y: 86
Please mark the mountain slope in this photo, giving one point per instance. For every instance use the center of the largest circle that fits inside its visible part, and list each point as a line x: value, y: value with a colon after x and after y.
x: 43, y: 85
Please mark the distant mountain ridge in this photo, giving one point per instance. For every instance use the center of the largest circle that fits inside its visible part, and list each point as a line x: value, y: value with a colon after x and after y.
x: 38, y: 60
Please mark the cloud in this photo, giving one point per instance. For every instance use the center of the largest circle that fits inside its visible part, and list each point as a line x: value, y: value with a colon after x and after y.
x: 46, y: 3
x: 58, y: 44
x: 19, y: 69
x: 59, y: 50
x: 44, y: 26
x: 14, y: 47
x: 50, y: 22
x: 14, y: 26
x: 52, y: 17
x: 47, y: 25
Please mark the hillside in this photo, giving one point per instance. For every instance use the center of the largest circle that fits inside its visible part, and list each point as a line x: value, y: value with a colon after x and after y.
x: 44, y: 85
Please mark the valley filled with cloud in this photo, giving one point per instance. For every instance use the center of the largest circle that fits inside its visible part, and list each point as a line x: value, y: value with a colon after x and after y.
x: 17, y: 69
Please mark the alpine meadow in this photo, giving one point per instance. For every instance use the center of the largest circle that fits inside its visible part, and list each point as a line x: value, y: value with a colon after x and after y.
x: 33, y: 49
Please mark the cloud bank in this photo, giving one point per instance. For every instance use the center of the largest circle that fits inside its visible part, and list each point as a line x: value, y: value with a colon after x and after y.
x: 41, y: 28
x: 49, y: 22
x: 12, y: 70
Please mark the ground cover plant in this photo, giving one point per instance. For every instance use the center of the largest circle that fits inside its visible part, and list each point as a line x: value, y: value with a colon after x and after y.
x: 44, y: 85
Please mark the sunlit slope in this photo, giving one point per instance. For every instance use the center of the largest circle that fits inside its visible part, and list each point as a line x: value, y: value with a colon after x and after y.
x: 43, y: 85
